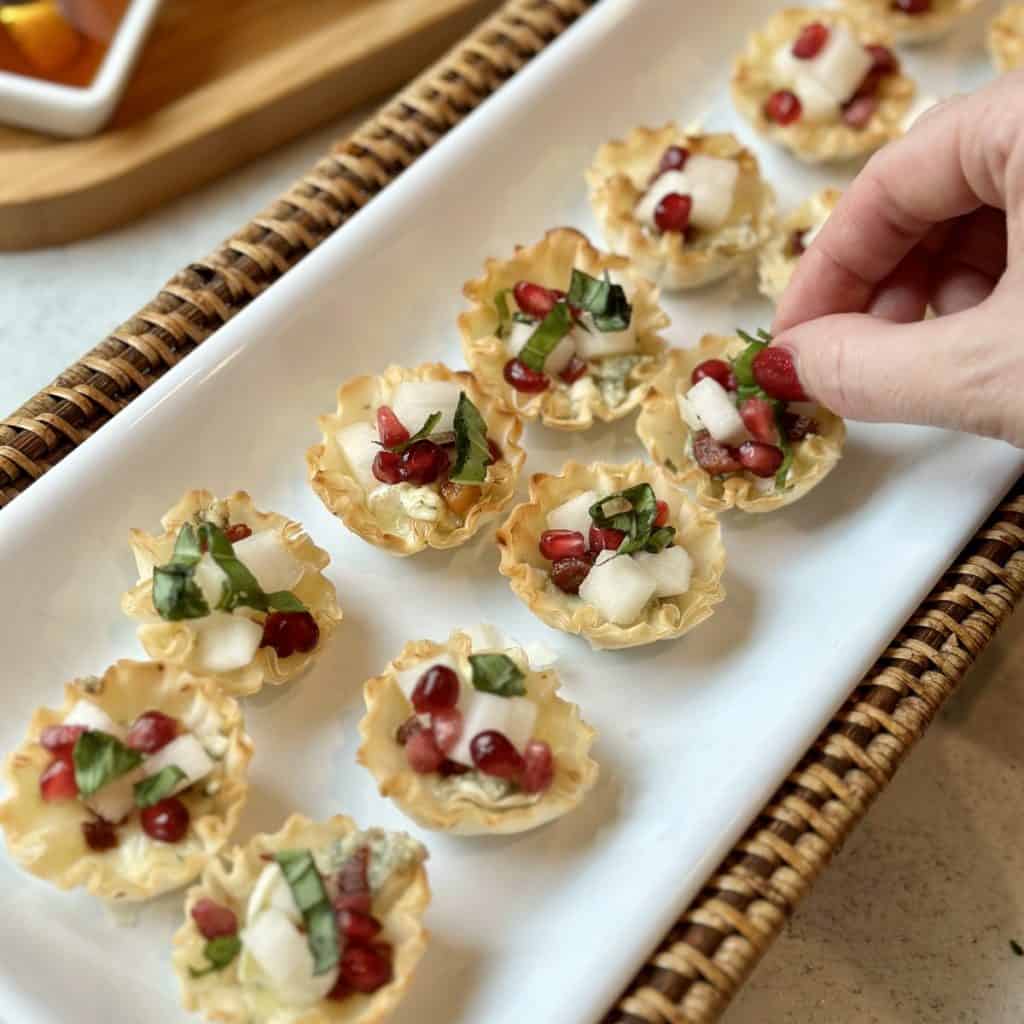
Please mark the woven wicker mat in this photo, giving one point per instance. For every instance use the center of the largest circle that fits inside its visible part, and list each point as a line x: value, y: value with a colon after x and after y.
x: 714, y: 946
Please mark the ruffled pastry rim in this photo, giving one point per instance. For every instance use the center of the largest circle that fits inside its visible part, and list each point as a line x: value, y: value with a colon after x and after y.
x: 774, y: 266
x: 912, y: 29
x: 550, y: 262
x: 140, y: 686
x: 664, y: 258
x: 753, y: 82
x: 175, y: 641
x: 229, y: 879
x: 814, y: 457
x: 335, y: 485
x: 1006, y: 38
x: 559, y: 723
x: 699, y: 533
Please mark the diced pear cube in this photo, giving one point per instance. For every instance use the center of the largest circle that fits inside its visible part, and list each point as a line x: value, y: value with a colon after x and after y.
x: 842, y: 64
x: 574, y: 514
x: 816, y: 102
x: 618, y: 587
x: 712, y: 187
x: 283, y: 955
x: 359, y: 443
x: 712, y: 404
x: 604, y: 343
x: 671, y: 568
x: 211, y: 579
x: 414, y: 401
x: 267, y: 557
x: 116, y: 800
x: 184, y: 752
x: 513, y: 717
x: 225, y: 642
x: 93, y: 717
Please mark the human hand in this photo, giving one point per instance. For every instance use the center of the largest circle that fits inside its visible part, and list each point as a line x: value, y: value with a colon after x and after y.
x: 936, y: 218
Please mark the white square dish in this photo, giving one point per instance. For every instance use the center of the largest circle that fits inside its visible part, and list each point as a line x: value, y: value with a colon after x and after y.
x: 68, y: 110
x: 695, y: 734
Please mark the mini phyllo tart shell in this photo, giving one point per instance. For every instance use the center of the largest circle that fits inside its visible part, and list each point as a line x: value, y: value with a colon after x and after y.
x: 47, y: 838
x: 780, y: 254
x: 462, y: 804
x: 697, y: 532
x: 1006, y: 38
x: 619, y: 177
x: 913, y: 28
x: 372, y: 514
x: 666, y: 436
x: 550, y: 263
x: 181, y: 642
x: 229, y: 880
x: 754, y: 79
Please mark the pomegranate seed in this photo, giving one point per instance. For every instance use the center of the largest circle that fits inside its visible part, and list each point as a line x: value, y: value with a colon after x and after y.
x: 774, y: 371
x: 390, y: 427
x: 859, y: 111
x: 673, y: 212
x: 237, y: 532
x: 436, y: 689
x: 213, y: 919
x: 534, y: 299
x: 714, y: 457
x: 493, y: 753
x: 761, y: 459
x: 410, y: 726
x: 556, y: 544
x: 364, y: 969
x: 661, y: 516
x: 360, y: 902
x: 387, y: 467
x: 58, y: 779
x: 288, y: 632
x: 782, y: 107
x: 353, y: 875
x: 341, y: 991
x: 423, y: 462
x: 494, y: 450
x: 523, y: 379
x: 540, y: 767
x: 447, y: 727
x: 798, y: 427
x: 60, y: 738
x: 604, y: 538
x: 358, y: 927
x: 716, y: 369
x: 452, y: 768
x: 912, y: 6
x: 422, y: 752
x: 673, y: 159
x: 758, y: 417
x: 151, y: 731
x: 810, y: 41
x: 885, y: 62
x: 577, y: 368
x: 568, y: 574
x: 99, y: 835
x: 166, y: 821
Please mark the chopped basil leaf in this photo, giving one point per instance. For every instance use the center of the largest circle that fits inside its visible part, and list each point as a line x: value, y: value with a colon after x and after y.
x: 501, y: 305
x: 219, y: 952
x: 784, y: 443
x: 176, y: 595
x: 425, y: 431
x: 100, y: 758
x: 303, y: 878
x: 604, y: 301
x: 743, y: 364
x: 284, y: 601
x: 242, y: 586
x: 661, y: 538
x: 551, y: 330
x: 153, y: 789
x: 472, y: 452
x: 497, y: 674
x: 636, y: 521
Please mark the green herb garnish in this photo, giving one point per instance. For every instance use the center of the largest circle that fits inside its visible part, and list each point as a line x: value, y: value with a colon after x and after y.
x: 784, y: 443
x: 176, y: 595
x: 303, y: 878
x: 153, y: 789
x: 497, y: 674
x: 424, y: 432
x: 100, y: 758
x: 635, y: 520
x: 604, y: 301
x: 472, y: 452
x: 501, y: 305
x: 551, y: 330
x: 219, y: 953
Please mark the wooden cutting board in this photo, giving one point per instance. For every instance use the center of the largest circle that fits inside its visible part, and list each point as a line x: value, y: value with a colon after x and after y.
x: 218, y: 84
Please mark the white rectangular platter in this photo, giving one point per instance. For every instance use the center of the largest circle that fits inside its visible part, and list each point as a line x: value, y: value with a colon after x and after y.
x: 695, y: 734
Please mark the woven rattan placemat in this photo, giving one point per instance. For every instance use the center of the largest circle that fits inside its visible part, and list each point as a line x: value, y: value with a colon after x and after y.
x: 722, y: 934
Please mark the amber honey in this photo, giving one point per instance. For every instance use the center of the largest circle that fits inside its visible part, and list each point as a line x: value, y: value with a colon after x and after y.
x: 61, y: 41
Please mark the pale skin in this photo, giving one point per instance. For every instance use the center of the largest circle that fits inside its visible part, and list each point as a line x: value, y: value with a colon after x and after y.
x: 935, y: 219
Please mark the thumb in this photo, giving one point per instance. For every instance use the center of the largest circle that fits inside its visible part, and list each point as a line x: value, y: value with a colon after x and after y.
x: 960, y: 371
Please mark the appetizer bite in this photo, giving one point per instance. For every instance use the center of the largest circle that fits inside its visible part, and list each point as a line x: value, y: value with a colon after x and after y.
x: 913, y: 21
x: 132, y: 786
x: 471, y: 741
x: 416, y: 458
x: 1006, y: 38
x: 230, y: 591
x: 730, y: 420
x: 563, y: 333
x: 319, y: 923
x: 688, y: 209
x: 823, y: 84
x: 618, y: 554
x: 791, y: 237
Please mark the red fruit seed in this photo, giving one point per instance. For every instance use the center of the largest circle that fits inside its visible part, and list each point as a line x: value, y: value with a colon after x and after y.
x: 661, y: 516
x: 60, y: 737
x: 885, y: 62
x: 493, y: 753
x: 758, y: 417
x: 912, y: 6
x: 435, y: 690
x: 534, y: 299
x: 716, y: 369
x: 673, y: 159
x: 775, y: 372
x: 605, y: 539
x: 713, y: 457
x: 568, y: 574
x: 523, y: 379
x: 556, y: 544
x: 422, y: 752
x: 782, y: 107
x: 390, y: 427
x: 151, y: 731
x: 364, y: 969
x: 58, y: 779
x: 673, y: 212
x: 811, y: 40
x: 353, y: 877
x: 423, y: 462
x: 387, y: 467
x: 859, y: 111
x: 213, y: 919
x: 410, y: 726
x: 237, y: 532
x: 358, y: 927
x: 290, y: 632
x: 577, y: 368
x: 166, y: 821
x: 447, y: 728
x: 540, y: 767
x: 99, y: 835
x: 361, y: 902
x: 760, y: 459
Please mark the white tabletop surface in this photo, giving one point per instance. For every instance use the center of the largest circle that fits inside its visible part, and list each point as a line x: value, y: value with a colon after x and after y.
x: 913, y: 921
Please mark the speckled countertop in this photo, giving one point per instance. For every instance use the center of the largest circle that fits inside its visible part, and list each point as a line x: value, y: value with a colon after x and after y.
x: 912, y: 924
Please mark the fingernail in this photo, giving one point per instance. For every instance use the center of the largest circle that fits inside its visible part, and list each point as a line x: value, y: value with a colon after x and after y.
x: 775, y: 369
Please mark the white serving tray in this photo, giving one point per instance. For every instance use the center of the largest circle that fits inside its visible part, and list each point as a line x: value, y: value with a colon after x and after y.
x: 695, y: 734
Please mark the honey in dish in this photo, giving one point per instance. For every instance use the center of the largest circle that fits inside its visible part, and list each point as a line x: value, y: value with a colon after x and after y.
x: 61, y: 41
